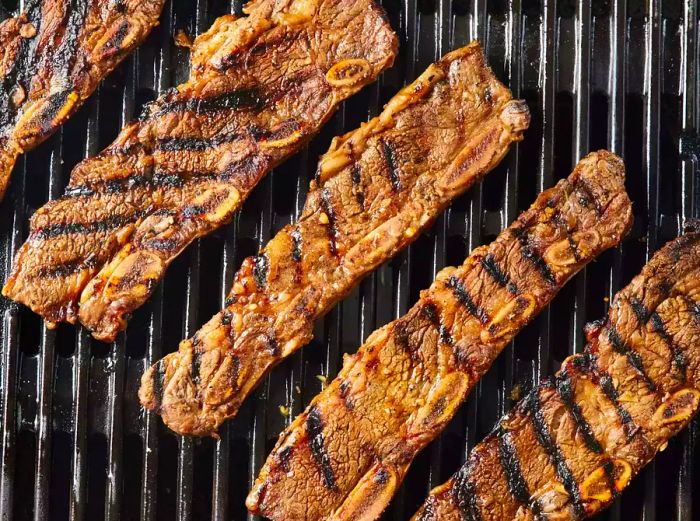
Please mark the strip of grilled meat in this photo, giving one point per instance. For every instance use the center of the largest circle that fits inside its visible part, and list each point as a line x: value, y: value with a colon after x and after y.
x: 54, y: 54
x: 260, y: 87
x: 573, y: 444
x: 377, y: 188
x: 344, y: 457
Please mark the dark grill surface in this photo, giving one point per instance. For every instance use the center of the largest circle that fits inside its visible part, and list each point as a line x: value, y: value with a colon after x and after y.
x: 75, y: 443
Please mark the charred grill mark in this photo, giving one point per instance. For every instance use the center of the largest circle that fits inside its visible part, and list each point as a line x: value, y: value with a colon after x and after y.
x: 586, y: 197
x: 606, y: 384
x: 544, y: 438
x: 77, y: 12
x: 283, y: 457
x: 390, y: 158
x: 679, y: 358
x: 463, y: 297
x: 233, y: 100
x: 533, y: 257
x: 116, y: 41
x: 567, y: 395
x: 196, y: 362
x: 356, y: 176
x: 235, y: 371
x: 261, y: 266
x: 634, y: 359
x: 52, y: 107
x: 488, y: 262
x: 431, y: 311
x: 510, y: 464
x: 573, y: 248
x: 195, y: 144
x: 110, y: 223
x: 67, y: 268
x: 465, y: 495
x: 328, y: 210
x: 314, y: 426
x: 226, y: 318
x: 640, y: 311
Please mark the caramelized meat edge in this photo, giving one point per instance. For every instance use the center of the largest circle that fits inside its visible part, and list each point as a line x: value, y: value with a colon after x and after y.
x: 346, y: 455
x: 376, y: 189
x: 571, y: 446
x: 261, y: 86
x: 54, y: 54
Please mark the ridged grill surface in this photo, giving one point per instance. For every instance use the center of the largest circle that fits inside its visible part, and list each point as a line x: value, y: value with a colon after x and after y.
x: 619, y: 75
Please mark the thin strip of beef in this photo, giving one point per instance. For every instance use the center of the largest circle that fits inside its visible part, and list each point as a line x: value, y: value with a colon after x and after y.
x: 571, y: 446
x: 54, y: 54
x: 260, y: 87
x: 376, y: 189
x: 346, y: 455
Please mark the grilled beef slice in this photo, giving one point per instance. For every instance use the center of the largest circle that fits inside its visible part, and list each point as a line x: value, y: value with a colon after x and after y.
x: 345, y: 456
x: 574, y: 443
x: 53, y: 56
x: 260, y: 87
x: 376, y: 189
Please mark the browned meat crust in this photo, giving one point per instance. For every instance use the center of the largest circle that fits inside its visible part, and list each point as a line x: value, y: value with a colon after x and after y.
x: 377, y: 188
x: 260, y: 87
x: 53, y: 56
x: 573, y: 444
x: 345, y: 456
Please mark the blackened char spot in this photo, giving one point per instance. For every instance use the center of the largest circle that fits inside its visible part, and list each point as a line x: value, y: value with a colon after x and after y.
x: 356, y: 176
x: 640, y: 310
x: 327, y: 207
x: 174, y: 144
x: 67, y: 268
x: 634, y: 359
x: 196, y: 362
x: 463, y: 297
x: 510, y: 463
x: 502, y: 279
x: 465, y: 494
x: 586, y: 196
x: 297, y: 241
x: 261, y: 265
x: 550, y: 446
x: 116, y: 41
x: 314, y: 426
x: 390, y: 158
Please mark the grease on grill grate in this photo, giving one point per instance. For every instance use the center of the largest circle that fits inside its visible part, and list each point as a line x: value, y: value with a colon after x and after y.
x: 621, y: 75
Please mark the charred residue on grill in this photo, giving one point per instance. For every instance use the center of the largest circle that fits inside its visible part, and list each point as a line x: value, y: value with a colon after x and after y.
x: 634, y: 359
x: 529, y: 253
x: 329, y: 212
x: 390, y: 159
x: 508, y: 458
x: 261, y: 265
x: 488, y: 262
x: 550, y: 446
x: 314, y: 426
x: 463, y: 297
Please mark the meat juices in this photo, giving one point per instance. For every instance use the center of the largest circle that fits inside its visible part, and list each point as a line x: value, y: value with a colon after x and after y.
x: 349, y: 451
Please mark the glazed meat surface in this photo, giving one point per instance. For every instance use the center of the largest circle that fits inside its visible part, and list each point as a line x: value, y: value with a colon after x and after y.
x: 53, y: 56
x: 573, y: 444
x: 376, y: 189
x: 260, y: 87
x: 345, y: 456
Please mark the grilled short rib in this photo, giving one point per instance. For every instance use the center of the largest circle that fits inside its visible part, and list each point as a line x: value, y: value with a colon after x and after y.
x: 349, y: 451
x: 260, y: 87
x: 574, y: 443
x: 376, y: 189
x: 54, y: 54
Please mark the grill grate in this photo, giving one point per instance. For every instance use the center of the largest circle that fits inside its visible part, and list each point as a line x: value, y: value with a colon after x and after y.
x: 615, y: 74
